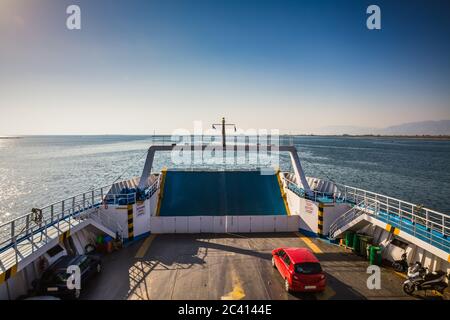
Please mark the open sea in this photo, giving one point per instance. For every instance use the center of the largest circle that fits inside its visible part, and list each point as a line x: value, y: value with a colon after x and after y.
x: 38, y: 170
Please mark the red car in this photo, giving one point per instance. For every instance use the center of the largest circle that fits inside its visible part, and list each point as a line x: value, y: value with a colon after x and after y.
x: 300, y: 269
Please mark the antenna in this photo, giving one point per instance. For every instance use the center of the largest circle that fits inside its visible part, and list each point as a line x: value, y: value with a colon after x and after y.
x: 223, y: 124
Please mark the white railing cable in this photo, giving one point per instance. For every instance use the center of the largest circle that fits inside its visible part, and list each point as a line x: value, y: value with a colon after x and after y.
x: 343, y: 220
x: 75, y: 207
x: 422, y: 222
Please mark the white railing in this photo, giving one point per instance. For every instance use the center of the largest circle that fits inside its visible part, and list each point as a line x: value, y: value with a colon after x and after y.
x: 426, y: 224
x: 400, y: 210
x: 27, y: 225
x: 343, y: 220
x: 313, y: 194
x: 106, y: 220
x: 38, y: 233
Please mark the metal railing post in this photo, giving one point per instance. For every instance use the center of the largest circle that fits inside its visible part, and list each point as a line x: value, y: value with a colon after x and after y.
x: 45, y: 232
x: 443, y: 225
x: 16, y: 252
x: 13, y: 230
x: 27, y: 224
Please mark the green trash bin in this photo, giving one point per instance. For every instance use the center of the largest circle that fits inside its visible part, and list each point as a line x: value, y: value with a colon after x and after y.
x: 99, y: 239
x: 375, y: 255
x: 349, y: 239
x: 356, y: 243
x: 365, y: 241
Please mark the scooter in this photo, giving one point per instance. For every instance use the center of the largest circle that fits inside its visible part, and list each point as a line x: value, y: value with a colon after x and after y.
x: 419, y: 278
x: 401, y: 265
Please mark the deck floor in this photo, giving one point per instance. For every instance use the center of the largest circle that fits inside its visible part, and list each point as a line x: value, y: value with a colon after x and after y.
x: 202, y: 266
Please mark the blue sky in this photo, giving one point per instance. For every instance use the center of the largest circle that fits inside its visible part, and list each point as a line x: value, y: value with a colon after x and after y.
x: 138, y: 66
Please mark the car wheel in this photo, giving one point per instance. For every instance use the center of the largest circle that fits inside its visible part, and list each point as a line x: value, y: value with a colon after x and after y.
x: 273, y: 263
x: 287, y: 287
x: 409, y: 288
x: 98, y: 268
x: 398, y: 267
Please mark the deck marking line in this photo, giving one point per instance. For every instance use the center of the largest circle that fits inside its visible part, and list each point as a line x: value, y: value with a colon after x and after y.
x: 327, y: 294
x: 237, y: 293
x: 309, y: 243
x: 401, y: 274
x: 145, y: 245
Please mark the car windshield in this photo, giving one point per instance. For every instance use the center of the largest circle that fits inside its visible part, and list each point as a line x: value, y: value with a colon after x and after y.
x: 308, y: 268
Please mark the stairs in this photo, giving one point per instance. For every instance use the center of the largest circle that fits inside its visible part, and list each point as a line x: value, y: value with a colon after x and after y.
x: 353, y: 218
x: 28, y: 249
x: 423, y: 231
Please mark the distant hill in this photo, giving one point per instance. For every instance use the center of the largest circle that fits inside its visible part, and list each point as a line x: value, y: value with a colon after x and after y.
x: 340, y: 130
x: 432, y: 128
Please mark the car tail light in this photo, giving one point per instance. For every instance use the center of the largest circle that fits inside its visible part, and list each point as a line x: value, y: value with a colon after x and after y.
x: 322, y: 277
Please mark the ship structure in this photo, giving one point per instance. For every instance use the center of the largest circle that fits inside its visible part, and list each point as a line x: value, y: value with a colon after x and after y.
x: 209, y: 233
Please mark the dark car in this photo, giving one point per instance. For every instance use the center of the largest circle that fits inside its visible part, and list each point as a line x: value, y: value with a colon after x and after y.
x: 54, y: 280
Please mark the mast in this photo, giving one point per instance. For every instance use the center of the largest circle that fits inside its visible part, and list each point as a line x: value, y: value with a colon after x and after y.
x: 223, y: 124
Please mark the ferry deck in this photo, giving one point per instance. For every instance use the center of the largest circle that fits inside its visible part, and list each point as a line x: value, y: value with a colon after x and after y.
x: 233, y: 267
x: 209, y: 235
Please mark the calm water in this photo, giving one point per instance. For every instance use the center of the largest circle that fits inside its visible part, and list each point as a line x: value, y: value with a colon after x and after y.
x: 35, y: 171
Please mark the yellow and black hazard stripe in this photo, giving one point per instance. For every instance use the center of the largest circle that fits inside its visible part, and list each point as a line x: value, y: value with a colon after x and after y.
x: 130, y: 222
x: 8, y: 274
x: 64, y: 236
x: 320, y: 220
x: 161, y: 190
x: 392, y: 229
x: 283, y: 193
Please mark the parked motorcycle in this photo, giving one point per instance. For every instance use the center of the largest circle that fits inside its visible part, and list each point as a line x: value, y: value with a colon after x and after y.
x: 401, y: 265
x: 419, y: 278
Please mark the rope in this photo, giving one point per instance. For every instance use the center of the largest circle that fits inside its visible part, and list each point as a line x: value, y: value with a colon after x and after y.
x: 320, y: 171
x: 133, y: 164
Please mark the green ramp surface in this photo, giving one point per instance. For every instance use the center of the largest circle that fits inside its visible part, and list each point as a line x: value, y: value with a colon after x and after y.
x: 211, y: 193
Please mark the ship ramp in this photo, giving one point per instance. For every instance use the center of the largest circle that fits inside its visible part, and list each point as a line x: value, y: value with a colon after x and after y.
x: 219, y: 193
